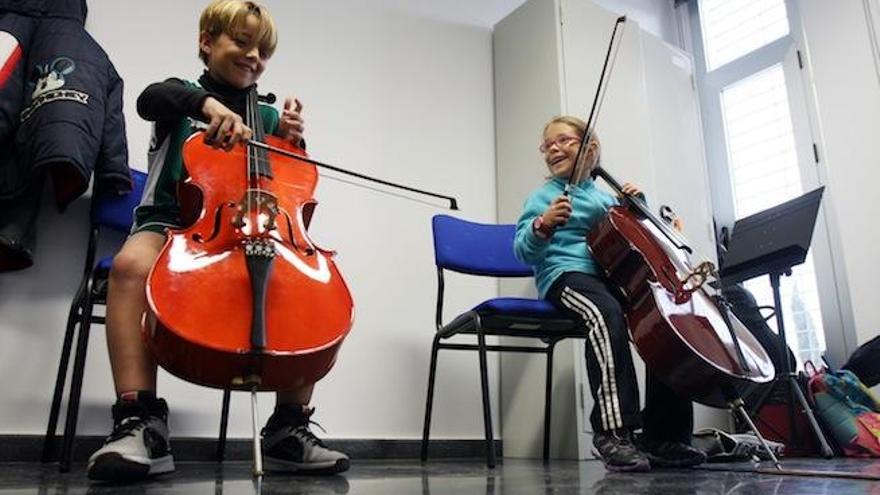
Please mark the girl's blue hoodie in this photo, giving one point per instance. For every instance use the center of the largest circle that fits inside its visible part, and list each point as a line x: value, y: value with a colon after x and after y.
x: 567, y: 249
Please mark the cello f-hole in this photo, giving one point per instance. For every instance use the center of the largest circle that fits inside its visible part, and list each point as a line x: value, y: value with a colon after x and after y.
x: 291, y: 237
x: 215, y: 230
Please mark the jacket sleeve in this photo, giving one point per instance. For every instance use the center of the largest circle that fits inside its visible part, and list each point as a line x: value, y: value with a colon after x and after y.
x: 112, y: 172
x: 528, y: 247
x: 171, y: 100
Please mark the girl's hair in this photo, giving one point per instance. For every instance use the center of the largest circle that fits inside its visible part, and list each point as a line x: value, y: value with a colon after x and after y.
x: 574, y: 122
x: 224, y: 16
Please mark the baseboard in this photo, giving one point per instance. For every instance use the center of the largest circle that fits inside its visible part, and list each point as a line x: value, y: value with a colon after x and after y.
x: 29, y: 448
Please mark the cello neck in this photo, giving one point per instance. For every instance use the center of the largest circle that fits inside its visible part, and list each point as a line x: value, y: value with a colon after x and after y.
x: 258, y: 162
x: 639, y: 206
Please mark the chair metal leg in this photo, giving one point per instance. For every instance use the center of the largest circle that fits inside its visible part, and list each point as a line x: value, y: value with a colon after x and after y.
x: 548, y: 389
x: 429, y: 400
x: 61, y: 378
x: 487, y: 407
x: 224, y: 421
x: 76, y: 381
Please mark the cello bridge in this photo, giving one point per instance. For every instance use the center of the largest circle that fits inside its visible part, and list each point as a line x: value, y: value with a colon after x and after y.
x: 695, y: 279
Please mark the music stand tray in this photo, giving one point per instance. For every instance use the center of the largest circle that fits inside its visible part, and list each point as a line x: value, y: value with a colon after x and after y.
x: 771, y: 242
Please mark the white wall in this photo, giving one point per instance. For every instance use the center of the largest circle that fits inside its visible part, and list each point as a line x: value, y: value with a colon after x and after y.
x: 399, y: 90
x: 846, y: 81
x: 527, y: 93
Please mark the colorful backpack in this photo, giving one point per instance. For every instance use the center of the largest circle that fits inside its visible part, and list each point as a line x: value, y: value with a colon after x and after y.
x: 848, y: 410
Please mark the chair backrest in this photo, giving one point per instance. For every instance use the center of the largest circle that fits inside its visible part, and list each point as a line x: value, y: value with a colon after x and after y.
x: 476, y: 248
x: 117, y: 211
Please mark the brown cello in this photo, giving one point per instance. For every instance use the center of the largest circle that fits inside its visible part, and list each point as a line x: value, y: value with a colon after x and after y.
x: 685, y: 335
x: 242, y: 298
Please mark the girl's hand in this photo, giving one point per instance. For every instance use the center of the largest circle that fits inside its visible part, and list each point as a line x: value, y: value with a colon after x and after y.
x: 291, y: 125
x: 668, y: 215
x: 678, y: 225
x: 631, y: 189
x: 558, y: 212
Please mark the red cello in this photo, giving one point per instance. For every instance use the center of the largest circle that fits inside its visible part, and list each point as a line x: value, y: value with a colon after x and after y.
x: 243, y: 299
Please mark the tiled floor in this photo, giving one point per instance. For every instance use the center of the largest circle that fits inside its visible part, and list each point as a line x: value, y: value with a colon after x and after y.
x: 513, y: 476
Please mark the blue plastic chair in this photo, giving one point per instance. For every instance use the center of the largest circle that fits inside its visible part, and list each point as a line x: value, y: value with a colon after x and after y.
x: 114, y: 213
x: 109, y: 212
x: 487, y: 250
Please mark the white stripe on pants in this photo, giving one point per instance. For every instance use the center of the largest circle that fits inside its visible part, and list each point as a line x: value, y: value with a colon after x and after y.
x: 609, y: 404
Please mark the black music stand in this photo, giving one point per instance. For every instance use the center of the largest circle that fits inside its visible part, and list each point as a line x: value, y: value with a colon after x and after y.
x: 771, y: 242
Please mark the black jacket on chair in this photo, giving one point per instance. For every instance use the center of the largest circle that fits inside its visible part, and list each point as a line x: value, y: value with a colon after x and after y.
x: 60, y: 117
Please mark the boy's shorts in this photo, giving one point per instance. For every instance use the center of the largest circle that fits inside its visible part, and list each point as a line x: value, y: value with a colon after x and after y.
x: 157, y: 217
x: 160, y: 207
x: 158, y: 223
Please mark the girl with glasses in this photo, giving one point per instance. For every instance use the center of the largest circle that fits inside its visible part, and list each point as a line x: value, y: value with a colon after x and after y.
x: 551, y: 236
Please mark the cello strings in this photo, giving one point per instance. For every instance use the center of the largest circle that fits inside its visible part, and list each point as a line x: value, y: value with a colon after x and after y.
x: 252, y: 177
x: 256, y: 161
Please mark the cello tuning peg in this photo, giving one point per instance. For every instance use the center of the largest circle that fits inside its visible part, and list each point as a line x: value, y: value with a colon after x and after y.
x: 667, y: 213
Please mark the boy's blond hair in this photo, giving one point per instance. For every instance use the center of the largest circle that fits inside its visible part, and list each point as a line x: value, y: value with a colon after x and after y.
x: 224, y: 16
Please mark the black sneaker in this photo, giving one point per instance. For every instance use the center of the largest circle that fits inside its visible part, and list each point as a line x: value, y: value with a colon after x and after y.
x: 289, y: 445
x: 672, y: 454
x: 618, y: 451
x: 138, y: 446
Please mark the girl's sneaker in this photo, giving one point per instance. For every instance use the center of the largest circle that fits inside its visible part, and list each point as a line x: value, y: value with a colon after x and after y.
x: 618, y: 451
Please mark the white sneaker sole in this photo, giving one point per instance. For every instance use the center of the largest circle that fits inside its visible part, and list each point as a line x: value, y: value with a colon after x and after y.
x: 114, y: 466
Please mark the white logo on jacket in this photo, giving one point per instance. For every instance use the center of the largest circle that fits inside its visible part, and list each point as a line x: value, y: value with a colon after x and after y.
x: 51, y: 76
x: 48, y: 81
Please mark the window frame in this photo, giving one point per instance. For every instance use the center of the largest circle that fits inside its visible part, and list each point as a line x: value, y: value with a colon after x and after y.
x: 833, y: 292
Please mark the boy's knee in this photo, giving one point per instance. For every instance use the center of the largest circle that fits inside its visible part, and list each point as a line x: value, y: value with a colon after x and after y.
x: 128, y: 266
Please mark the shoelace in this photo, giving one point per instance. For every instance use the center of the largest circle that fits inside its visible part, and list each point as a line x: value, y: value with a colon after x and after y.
x: 625, y: 441
x: 623, y: 436
x: 127, y: 428
x: 306, y: 435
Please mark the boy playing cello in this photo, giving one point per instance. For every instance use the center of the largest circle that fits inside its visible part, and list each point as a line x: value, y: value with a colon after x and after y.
x: 236, y: 40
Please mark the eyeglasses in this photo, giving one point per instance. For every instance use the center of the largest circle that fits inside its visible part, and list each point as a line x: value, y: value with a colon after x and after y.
x: 560, y: 141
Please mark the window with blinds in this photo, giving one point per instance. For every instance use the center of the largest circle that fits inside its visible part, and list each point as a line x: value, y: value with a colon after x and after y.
x: 733, y: 28
x: 764, y: 172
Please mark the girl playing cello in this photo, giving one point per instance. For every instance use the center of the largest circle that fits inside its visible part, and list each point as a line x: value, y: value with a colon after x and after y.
x: 551, y: 237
